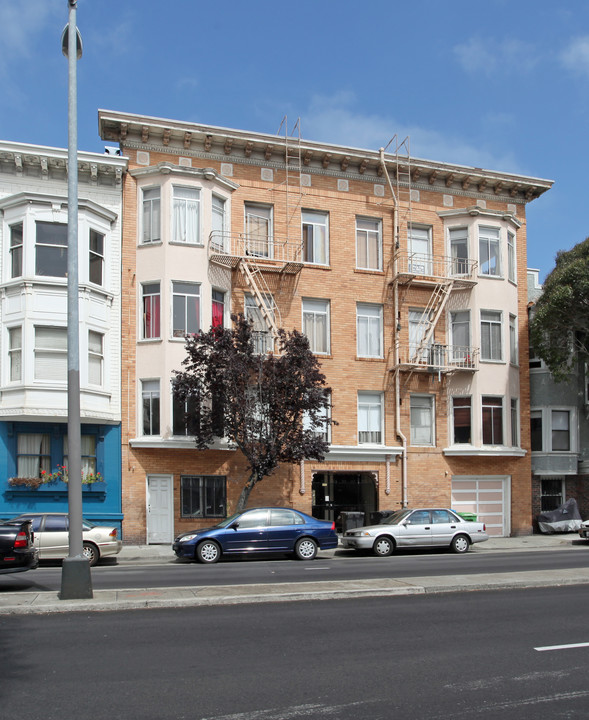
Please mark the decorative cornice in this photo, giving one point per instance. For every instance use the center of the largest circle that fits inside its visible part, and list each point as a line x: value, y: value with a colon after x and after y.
x: 475, y: 210
x: 166, y: 168
x: 33, y: 198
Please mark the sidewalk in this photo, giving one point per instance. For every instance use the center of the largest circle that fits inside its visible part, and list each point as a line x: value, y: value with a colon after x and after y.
x: 104, y: 600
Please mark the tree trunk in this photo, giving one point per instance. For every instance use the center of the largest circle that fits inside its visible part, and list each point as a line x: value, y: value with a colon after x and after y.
x: 245, y: 493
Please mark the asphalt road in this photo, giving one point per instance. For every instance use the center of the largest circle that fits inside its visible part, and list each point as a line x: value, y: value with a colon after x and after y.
x: 344, y: 566
x: 465, y: 655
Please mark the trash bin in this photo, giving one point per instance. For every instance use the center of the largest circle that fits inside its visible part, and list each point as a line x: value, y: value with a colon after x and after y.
x: 350, y: 520
x: 468, y: 516
x: 379, y: 517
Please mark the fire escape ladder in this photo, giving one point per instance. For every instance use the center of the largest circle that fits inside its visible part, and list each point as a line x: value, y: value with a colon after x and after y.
x: 254, y: 277
x: 431, y: 315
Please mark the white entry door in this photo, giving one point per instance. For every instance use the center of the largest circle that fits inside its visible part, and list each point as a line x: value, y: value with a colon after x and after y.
x: 160, y: 509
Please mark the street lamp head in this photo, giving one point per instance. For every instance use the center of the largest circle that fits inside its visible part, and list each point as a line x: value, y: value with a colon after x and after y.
x: 65, y: 40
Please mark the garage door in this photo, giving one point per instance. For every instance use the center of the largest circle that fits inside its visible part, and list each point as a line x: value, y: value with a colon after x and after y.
x: 488, y: 497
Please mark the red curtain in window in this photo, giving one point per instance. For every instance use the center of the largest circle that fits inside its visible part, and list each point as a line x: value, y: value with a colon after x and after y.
x: 217, y: 314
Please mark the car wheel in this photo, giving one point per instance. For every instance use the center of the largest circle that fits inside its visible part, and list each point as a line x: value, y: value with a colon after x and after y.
x: 460, y: 544
x: 91, y: 553
x: 305, y: 549
x: 383, y: 546
x: 208, y: 552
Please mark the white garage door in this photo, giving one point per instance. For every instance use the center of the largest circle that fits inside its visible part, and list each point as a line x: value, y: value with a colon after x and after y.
x: 486, y: 496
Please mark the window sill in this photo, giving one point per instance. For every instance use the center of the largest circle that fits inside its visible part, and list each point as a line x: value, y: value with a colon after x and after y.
x: 155, y: 243
x: 180, y: 243
x: 316, y: 266
x: 369, y: 271
x: 490, y: 277
x: 484, y: 451
x: 149, y: 341
x: 368, y: 358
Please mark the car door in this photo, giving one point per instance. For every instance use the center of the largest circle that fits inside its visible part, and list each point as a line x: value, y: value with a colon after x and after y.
x: 54, y: 538
x: 248, y: 533
x: 284, y: 528
x: 444, y: 526
x: 415, y: 530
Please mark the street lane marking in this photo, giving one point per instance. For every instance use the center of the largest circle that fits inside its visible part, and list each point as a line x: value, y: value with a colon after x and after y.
x: 561, y: 647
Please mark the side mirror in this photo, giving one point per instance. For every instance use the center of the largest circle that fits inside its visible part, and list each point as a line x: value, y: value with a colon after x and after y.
x: 234, y: 525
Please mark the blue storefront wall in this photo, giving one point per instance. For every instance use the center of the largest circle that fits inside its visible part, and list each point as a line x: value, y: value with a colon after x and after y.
x: 102, y: 503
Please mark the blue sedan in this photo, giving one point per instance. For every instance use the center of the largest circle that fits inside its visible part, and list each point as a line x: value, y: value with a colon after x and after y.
x: 259, y: 530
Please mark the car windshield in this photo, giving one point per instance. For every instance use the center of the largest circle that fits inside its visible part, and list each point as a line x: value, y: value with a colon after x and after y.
x: 397, y: 517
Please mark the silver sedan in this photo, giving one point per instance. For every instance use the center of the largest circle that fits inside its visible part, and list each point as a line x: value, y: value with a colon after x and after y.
x: 422, y: 527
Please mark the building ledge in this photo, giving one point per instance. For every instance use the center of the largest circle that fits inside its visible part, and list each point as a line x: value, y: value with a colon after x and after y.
x: 361, y: 453
x: 177, y: 443
x: 487, y: 451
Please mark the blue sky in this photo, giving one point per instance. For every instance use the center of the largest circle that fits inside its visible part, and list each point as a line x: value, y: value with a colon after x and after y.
x: 501, y: 85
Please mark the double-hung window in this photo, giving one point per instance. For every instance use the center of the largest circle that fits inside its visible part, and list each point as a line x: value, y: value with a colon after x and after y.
x: 151, y: 215
x: 96, y: 257
x: 33, y: 455
x: 185, y: 309
x: 323, y: 430
x: 218, y: 309
x: 492, y: 414
x: 95, y: 357
x: 50, y: 353
x: 316, y: 324
x: 51, y: 249
x: 422, y: 420
x: 368, y: 244
x: 315, y: 237
x: 460, y: 351
x: 258, y: 229
x: 419, y: 324
x: 150, y: 396
x: 514, y: 422
x: 151, y: 311
x: 186, y: 211
x: 15, y: 353
x: 262, y: 337
x: 203, y: 496
x: 419, y: 240
x: 489, y: 251
x: 370, y: 418
x: 88, y: 455
x: 513, y: 345
x: 491, y: 331
x: 16, y: 250
x: 459, y: 250
x: 369, y: 330
x: 218, y: 222
x: 537, y: 430
x: 511, y: 259
x: 560, y: 430
x: 551, y: 430
x: 461, y: 420
x: 184, y: 416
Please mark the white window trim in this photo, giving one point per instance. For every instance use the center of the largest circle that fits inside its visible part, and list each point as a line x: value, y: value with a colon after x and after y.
x: 308, y: 310
x: 378, y: 222
x: 546, y: 412
x: 324, y: 216
x: 432, y: 409
x: 504, y: 427
x: 199, y: 192
x: 484, y: 359
x: 372, y: 311
x: 173, y: 294
x: 369, y: 399
x: 142, y: 190
x: 481, y: 228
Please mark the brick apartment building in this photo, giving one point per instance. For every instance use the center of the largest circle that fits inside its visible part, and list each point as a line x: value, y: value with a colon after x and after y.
x: 409, y: 278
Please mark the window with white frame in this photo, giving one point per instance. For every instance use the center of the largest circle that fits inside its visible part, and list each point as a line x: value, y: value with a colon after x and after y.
x: 33, y: 454
x: 316, y: 324
x: 185, y: 309
x: 16, y: 250
x: 370, y: 418
x: 422, y: 420
x: 489, y: 251
x: 51, y: 249
x: 369, y: 330
x: 258, y: 228
x: 491, y: 332
x: 324, y: 428
x: 186, y: 215
x: 151, y: 231
x: 462, y: 420
x: 315, y: 237
x: 552, y: 430
x: 492, y: 416
x: 459, y: 250
x: 150, y: 397
x: 95, y: 357
x: 514, y: 422
x: 460, y: 351
x: 560, y: 430
x: 511, y: 258
x: 218, y: 221
x: 368, y: 244
x: 50, y: 353
x: 88, y: 455
x: 418, y: 326
x: 96, y: 257
x: 184, y: 416
x: 262, y: 336
x: 513, y: 345
x: 419, y: 241
x: 151, y: 311
x: 15, y: 353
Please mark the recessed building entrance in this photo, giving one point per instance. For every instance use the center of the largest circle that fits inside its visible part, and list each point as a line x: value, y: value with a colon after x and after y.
x: 334, y: 493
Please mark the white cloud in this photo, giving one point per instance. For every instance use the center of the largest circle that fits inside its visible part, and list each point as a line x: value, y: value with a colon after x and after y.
x: 332, y: 119
x: 489, y: 56
x: 576, y: 56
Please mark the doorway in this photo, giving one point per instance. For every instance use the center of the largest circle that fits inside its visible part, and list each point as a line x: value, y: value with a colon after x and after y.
x: 334, y: 493
x: 160, y: 517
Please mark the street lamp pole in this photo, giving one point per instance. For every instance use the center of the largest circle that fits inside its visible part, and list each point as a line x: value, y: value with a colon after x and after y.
x: 76, y: 580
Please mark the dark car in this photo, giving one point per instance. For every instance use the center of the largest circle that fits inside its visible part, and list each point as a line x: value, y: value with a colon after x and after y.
x: 17, y: 551
x: 259, y: 530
